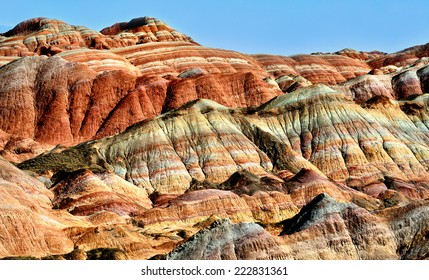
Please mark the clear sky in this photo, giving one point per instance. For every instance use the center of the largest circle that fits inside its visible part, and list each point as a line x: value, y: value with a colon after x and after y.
x: 283, y: 27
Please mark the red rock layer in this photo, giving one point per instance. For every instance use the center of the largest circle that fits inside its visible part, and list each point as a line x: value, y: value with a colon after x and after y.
x: 323, y: 176
x: 16, y: 149
x: 176, y: 57
x: 145, y: 29
x: 350, y: 228
x: 364, y: 56
x: 324, y: 229
x: 84, y: 193
x: 326, y: 69
x: 51, y: 36
x: 182, y: 166
x: 98, y: 94
x: 239, y: 242
x: 257, y: 202
x: 232, y: 90
x: 401, y: 58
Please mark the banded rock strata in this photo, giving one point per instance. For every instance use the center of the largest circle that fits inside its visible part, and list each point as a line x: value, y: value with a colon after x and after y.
x: 353, y: 232
x: 28, y: 225
x: 51, y: 36
x: 152, y: 146
x: 357, y: 146
x: 159, y: 69
x: 187, y: 168
x: 54, y: 101
x: 400, y: 84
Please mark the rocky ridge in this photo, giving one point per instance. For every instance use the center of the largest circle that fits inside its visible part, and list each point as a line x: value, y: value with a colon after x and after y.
x: 51, y: 36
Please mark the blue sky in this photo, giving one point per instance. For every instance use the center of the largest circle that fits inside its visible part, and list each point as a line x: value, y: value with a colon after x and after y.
x: 267, y: 26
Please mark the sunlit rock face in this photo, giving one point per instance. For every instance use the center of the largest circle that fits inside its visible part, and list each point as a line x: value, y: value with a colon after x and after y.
x: 138, y: 143
x: 29, y: 227
x: 397, y: 83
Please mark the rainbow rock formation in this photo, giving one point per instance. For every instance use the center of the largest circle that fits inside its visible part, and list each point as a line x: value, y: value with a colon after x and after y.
x: 136, y: 142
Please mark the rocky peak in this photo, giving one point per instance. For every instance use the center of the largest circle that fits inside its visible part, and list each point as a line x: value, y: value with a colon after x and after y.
x: 35, y: 36
x: 147, y: 29
x: 319, y: 208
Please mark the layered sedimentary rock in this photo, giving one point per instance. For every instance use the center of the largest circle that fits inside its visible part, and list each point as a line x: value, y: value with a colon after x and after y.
x: 226, y: 241
x: 28, y: 226
x: 69, y: 98
x: 176, y: 57
x: 357, y: 146
x: 83, y: 193
x: 246, y: 198
x: 208, y: 153
x: 323, y: 229
x: 16, y: 149
x: 401, y: 58
x: 6, y: 59
x: 364, y: 56
x: 51, y: 36
x: 187, y: 168
x: 409, y: 226
x: 101, y: 83
x: 144, y: 30
x: 354, y: 233
x: 100, y: 61
x: 399, y: 84
x: 158, y: 176
x: 326, y: 69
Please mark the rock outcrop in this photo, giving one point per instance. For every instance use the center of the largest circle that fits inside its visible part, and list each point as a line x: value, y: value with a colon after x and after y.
x: 364, y: 56
x: 204, y: 140
x: 83, y: 193
x: 226, y: 241
x: 401, y: 58
x: 102, y: 82
x: 400, y: 84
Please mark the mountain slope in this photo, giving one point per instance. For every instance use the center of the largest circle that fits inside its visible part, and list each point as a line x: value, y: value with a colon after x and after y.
x: 204, y: 162
x: 315, y: 128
